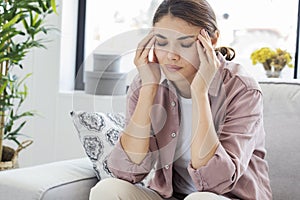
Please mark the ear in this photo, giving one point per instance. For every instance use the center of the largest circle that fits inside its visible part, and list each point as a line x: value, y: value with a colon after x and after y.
x: 215, y: 39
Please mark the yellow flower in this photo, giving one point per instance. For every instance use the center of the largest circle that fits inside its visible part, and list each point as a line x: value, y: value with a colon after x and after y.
x: 268, y: 57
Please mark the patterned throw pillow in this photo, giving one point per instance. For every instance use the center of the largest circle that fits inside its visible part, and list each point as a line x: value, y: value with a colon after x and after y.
x: 98, y: 133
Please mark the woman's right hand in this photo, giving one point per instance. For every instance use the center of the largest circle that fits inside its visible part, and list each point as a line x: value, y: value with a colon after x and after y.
x: 149, y: 71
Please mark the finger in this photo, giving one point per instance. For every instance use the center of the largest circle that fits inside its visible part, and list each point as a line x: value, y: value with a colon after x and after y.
x: 146, y: 51
x: 206, y: 42
x: 140, y: 50
x: 209, y: 52
x: 200, y: 50
x: 142, y: 44
x: 154, y: 57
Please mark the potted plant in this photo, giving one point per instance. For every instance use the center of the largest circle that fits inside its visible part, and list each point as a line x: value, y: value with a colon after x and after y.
x: 273, y: 61
x: 21, y: 21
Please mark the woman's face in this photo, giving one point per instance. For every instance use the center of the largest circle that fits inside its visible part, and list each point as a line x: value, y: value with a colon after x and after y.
x: 175, y: 48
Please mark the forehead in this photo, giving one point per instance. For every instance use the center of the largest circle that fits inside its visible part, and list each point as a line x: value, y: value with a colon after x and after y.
x: 170, y: 26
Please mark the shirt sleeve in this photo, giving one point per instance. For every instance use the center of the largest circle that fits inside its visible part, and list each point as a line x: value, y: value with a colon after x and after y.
x: 118, y: 161
x: 238, y: 134
x: 122, y: 167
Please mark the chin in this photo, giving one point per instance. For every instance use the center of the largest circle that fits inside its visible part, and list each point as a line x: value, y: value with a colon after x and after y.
x: 177, y: 76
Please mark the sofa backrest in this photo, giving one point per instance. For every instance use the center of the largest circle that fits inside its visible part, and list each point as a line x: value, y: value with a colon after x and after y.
x: 282, y: 126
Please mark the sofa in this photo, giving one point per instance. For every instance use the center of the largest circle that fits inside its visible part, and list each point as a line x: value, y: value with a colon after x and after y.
x: 72, y: 179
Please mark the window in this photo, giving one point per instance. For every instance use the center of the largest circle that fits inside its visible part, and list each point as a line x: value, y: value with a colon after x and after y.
x: 249, y: 25
x: 244, y: 25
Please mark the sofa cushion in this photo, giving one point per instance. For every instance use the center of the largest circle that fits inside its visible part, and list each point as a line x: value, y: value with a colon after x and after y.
x: 98, y: 133
x: 282, y: 126
x: 70, y: 179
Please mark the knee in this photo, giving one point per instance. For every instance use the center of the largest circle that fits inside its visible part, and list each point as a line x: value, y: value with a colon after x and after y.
x: 202, y: 196
x: 110, y: 188
x: 100, y: 189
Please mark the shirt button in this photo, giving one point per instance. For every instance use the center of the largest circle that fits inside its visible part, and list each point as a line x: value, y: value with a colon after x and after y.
x: 173, y: 135
x: 173, y: 104
x: 167, y: 166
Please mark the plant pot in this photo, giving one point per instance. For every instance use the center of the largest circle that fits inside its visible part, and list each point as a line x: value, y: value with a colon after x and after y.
x: 10, y: 156
x: 9, y: 159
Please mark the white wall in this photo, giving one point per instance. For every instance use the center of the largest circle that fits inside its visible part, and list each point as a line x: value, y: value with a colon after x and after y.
x: 43, y: 93
x: 44, y: 98
x: 53, y: 133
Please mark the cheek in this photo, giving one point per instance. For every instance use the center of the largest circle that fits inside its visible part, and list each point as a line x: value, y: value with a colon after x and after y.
x: 160, y: 54
x: 191, y: 56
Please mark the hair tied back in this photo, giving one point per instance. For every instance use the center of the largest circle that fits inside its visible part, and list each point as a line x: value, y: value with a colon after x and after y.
x: 228, y: 52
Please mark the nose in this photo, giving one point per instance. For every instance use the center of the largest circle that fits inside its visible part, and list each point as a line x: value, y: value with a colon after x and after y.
x: 173, y: 55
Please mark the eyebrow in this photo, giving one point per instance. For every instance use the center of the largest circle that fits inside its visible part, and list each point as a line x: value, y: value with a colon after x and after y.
x: 180, y: 38
x: 186, y: 37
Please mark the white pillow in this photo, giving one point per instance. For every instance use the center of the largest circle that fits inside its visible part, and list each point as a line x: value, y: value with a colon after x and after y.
x: 98, y: 133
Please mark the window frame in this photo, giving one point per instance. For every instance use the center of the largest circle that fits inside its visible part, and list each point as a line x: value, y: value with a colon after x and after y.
x: 297, y: 44
x: 80, y: 45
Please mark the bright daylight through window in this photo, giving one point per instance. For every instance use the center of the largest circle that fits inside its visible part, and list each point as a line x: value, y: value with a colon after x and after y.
x: 245, y: 25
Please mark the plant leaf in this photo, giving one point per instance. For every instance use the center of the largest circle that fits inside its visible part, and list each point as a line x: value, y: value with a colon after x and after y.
x: 12, y: 21
x: 53, y: 5
x: 23, y: 79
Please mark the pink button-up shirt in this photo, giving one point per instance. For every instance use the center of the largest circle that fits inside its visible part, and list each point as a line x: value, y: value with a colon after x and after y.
x: 237, y: 170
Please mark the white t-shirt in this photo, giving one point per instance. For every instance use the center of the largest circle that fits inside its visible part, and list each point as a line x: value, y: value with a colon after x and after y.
x: 182, y: 181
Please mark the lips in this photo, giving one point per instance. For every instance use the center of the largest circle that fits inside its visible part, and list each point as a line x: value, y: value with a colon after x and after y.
x: 173, y: 68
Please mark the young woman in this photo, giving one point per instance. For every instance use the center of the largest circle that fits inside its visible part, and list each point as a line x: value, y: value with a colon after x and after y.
x: 200, y: 128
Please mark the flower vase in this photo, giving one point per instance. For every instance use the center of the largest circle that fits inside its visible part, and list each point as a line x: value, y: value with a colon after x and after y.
x: 273, y: 74
x: 271, y: 70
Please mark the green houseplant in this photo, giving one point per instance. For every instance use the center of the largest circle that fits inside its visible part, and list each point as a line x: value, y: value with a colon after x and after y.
x: 21, y: 22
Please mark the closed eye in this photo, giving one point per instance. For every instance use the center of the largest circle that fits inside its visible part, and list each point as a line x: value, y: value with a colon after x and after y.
x: 161, y: 44
x: 187, y: 45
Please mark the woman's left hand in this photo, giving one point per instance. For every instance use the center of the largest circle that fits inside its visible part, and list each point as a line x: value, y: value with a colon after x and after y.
x: 209, y: 63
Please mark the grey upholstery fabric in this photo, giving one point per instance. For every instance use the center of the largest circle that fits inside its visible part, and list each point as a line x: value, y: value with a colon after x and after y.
x: 282, y: 126
x: 65, y: 180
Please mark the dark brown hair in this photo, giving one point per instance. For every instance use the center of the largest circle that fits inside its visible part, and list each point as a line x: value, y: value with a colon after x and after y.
x: 196, y: 12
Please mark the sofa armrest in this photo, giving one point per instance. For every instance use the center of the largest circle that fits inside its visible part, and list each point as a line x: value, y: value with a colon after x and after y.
x: 71, y: 179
